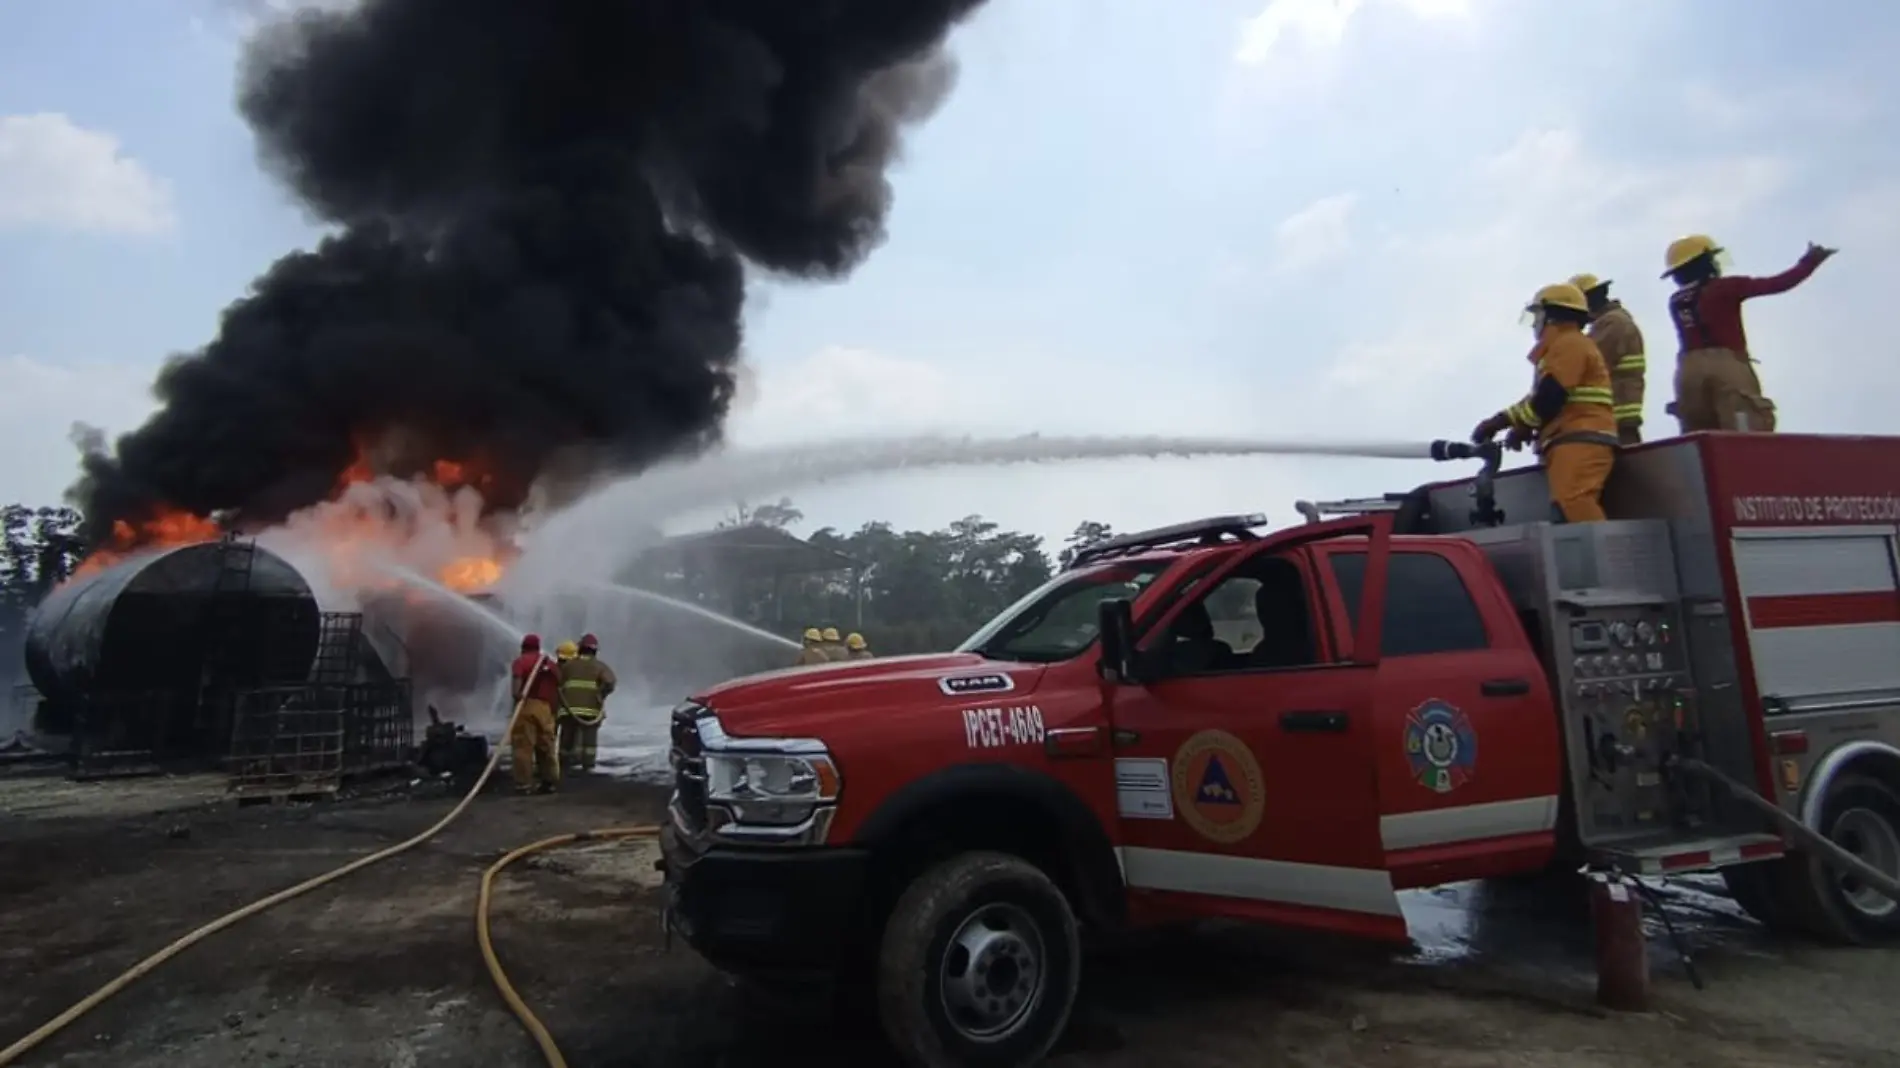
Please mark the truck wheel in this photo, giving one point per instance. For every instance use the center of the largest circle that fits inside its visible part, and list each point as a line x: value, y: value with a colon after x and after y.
x: 1863, y: 816
x: 979, y: 965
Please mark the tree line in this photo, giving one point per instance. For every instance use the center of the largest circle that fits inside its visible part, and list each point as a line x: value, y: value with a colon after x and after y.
x: 911, y: 590
x: 39, y: 548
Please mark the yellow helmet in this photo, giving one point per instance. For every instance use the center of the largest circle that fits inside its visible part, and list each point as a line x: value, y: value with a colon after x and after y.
x: 854, y: 641
x: 566, y: 651
x: 1684, y: 249
x: 831, y: 634
x: 1587, y: 282
x: 812, y: 635
x: 1560, y: 295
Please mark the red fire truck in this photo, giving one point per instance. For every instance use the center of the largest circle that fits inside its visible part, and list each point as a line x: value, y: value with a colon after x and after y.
x: 1207, y: 721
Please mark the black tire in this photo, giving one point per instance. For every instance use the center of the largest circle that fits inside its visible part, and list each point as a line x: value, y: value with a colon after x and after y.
x: 1027, y: 934
x: 1863, y: 815
x: 1810, y: 898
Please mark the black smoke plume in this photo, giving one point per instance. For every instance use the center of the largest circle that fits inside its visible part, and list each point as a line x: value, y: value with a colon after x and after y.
x: 542, y: 210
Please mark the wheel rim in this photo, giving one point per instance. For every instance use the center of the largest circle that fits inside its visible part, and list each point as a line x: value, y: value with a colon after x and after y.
x: 1868, y: 835
x: 992, y: 973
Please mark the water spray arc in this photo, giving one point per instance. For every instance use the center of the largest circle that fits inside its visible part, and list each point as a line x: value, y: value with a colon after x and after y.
x: 572, y: 539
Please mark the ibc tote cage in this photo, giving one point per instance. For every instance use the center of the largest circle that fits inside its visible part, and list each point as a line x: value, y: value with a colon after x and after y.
x: 351, y: 719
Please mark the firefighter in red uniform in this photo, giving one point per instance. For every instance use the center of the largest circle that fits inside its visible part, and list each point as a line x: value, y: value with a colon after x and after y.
x: 537, y: 688
x: 1716, y: 384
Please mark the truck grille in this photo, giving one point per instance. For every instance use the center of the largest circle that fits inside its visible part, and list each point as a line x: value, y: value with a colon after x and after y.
x: 689, y: 768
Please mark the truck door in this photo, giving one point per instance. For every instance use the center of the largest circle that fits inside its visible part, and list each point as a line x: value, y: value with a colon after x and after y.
x: 1465, y: 735
x: 1244, y: 761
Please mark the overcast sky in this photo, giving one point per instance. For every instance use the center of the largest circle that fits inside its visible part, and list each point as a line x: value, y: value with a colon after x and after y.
x: 1312, y: 218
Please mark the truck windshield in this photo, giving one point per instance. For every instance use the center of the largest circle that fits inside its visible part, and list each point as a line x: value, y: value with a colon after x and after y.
x: 1058, y: 619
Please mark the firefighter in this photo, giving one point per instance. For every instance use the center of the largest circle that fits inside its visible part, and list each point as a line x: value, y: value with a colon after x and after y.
x: 1716, y: 384
x: 562, y: 654
x: 1569, y: 410
x: 834, y: 645
x: 813, y: 651
x: 532, y: 738
x: 856, y: 648
x: 586, y: 683
x: 1621, y: 343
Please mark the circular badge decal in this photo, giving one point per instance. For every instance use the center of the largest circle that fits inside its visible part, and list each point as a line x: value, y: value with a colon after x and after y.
x: 1217, y: 787
x: 1440, y: 746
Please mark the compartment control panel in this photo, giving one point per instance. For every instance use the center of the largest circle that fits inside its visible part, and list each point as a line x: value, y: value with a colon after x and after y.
x: 1626, y: 677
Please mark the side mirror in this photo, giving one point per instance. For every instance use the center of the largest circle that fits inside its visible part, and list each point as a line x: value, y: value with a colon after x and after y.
x: 1116, y: 623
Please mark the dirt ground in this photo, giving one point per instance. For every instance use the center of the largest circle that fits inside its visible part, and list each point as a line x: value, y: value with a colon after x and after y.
x: 382, y: 969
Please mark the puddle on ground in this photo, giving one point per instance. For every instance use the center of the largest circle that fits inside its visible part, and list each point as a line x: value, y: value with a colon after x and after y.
x: 1542, y: 925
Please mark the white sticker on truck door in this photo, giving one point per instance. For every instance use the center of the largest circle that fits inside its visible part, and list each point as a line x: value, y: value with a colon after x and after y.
x: 1142, y: 788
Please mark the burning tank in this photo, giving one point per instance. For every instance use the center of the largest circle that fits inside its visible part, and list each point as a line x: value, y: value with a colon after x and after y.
x: 147, y: 637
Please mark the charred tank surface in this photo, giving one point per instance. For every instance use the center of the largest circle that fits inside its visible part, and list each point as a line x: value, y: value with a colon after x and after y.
x: 219, y: 615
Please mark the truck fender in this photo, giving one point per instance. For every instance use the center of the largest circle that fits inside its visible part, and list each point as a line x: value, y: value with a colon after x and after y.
x: 1095, y: 865
x: 1814, y: 794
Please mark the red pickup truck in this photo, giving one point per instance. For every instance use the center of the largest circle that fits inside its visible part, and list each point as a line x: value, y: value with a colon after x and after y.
x: 1202, y: 721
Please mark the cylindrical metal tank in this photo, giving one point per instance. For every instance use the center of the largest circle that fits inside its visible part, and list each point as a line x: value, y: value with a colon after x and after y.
x: 156, y: 620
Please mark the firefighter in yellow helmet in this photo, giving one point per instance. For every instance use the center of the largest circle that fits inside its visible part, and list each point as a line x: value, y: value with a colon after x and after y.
x: 856, y: 648
x: 1716, y: 384
x: 586, y: 683
x: 1569, y: 410
x: 1621, y: 343
x: 834, y: 645
x: 813, y: 651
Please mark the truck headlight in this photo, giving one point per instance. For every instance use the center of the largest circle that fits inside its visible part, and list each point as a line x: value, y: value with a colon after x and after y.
x: 770, y: 789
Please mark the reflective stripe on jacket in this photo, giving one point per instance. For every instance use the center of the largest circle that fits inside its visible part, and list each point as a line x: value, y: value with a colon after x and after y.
x: 1620, y: 341
x: 585, y: 684
x: 1566, y: 356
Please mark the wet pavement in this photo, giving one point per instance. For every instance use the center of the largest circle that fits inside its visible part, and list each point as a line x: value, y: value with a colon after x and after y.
x: 1540, y: 927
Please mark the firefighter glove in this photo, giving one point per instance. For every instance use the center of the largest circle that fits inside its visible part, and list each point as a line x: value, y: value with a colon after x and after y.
x: 1490, y: 428
x: 1629, y: 433
x: 1517, y: 437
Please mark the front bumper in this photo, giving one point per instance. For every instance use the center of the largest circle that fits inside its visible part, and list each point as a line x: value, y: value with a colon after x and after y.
x: 763, y: 910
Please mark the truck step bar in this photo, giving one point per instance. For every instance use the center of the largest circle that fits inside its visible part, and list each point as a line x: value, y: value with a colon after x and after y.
x: 1679, y: 856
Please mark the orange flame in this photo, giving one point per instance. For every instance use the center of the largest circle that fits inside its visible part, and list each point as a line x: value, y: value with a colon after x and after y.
x: 471, y: 574
x: 164, y: 529
x: 344, y: 526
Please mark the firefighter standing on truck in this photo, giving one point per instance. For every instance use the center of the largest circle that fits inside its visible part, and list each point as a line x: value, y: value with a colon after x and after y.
x: 536, y: 689
x: 1568, y: 412
x: 1621, y: 343
x: 813, y: 650
x: 1716, y: 384
x: 586, y: 683
x: 856, y: 648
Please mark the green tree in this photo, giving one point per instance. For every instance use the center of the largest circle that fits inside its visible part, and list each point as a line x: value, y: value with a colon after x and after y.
x: 39, y: 548
x: 1087, y: 533
x: 912, y: 590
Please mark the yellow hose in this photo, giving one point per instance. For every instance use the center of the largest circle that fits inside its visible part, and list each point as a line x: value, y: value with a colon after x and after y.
x: 533, y: 1025
x: 133, y: 974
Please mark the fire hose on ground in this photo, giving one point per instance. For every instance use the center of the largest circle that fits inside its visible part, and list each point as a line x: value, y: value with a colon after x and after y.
x: 27, y: 1044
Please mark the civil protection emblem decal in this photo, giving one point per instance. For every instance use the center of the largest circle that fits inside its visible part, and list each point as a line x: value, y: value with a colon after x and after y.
x: 1440, y: 746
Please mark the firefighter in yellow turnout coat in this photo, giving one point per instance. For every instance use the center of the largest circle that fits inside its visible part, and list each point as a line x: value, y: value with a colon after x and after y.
x: 1621, y: 342
x: 1569, y: 411
x: 586, y: 682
